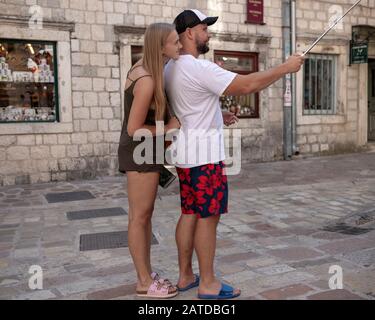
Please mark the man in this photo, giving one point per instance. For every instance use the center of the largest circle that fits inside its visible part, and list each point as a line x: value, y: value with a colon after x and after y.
x: 193, y: 87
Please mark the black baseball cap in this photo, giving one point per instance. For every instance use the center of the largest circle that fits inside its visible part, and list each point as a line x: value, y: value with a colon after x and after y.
x: 191, y: 18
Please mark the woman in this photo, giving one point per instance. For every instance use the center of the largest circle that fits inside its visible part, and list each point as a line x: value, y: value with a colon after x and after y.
x: 145, y: 103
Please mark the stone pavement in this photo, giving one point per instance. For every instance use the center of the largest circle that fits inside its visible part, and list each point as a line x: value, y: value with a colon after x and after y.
x: 289, y: 222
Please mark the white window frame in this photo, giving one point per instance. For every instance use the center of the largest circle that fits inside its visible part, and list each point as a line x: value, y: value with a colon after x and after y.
x: 341, y: 49
x: 314, y: 95
x: 18, y: 29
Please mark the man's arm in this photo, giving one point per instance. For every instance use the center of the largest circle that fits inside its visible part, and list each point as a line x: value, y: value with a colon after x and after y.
x: 254, y: 82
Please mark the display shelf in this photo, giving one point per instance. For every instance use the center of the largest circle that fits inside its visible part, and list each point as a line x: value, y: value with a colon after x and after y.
x: 25, y: 82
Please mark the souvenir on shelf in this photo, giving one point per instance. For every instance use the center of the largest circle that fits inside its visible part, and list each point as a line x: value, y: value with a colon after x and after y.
x: 5, y: 72
x: 45, y: 73
x: 22, y: 76
x: 16, y: 113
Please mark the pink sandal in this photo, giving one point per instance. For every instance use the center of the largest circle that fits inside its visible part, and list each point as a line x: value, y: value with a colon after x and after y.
x: 155, y: 276
x: 160, y: 290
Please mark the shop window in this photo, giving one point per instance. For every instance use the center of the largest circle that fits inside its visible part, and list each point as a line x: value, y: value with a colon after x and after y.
x: 241, y: 63
x: 28, y: 81
x: 320, y: 85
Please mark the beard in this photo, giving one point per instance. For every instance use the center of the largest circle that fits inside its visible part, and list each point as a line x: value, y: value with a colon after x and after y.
x: 202, y: 47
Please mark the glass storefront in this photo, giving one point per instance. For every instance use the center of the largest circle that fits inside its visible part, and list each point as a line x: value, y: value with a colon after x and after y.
x: 28, y: 81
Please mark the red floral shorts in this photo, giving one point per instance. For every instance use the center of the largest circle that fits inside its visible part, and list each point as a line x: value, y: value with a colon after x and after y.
x: 204, y: 190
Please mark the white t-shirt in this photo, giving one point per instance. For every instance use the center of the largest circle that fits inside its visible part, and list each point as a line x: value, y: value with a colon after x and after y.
x: 194, y: 87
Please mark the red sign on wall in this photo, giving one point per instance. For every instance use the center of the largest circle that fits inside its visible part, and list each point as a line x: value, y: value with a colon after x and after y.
x: 255, y: 11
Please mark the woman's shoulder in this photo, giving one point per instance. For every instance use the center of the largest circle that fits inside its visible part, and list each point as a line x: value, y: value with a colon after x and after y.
x: 143, y: 83
x: 138, y: 71
x: 139, y: 75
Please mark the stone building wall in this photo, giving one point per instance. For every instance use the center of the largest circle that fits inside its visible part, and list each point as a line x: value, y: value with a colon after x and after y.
x: 84, y: 144
x: 93, y: 59
x: 346, y: 130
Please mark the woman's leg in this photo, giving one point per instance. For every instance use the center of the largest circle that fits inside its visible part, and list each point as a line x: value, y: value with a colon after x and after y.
x: 142, y: 190
x: 149, y: 240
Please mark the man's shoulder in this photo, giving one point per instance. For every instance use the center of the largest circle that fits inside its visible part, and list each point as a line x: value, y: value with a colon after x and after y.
x: 189, y: 60
x: 190, y: 65
x: 199, y: 62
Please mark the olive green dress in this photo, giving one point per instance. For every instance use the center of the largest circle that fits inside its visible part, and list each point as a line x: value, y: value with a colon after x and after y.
x: 127, y: 144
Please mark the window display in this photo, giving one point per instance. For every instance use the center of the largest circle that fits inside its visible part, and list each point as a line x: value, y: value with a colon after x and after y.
x: 241, y: 63
x: 28, y: 87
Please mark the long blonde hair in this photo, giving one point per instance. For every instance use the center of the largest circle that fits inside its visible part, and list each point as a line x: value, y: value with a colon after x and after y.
x: 155, y: 38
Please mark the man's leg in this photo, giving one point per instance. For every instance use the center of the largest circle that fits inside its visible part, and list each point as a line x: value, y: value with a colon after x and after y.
x: 200, y: 233
x: 205, y: 246
x: 185, y: 231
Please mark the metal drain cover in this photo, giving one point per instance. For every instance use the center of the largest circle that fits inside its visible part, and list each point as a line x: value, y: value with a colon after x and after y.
x: 365, y: 219
x: 361, y: 218
x: 95, y: 213
x: 355, y: 224
x: 69, y: 196
x: 345, y: 229
x: 106, y: 240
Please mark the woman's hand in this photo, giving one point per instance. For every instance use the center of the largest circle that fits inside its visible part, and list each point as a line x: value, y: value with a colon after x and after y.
x: 172, y: 124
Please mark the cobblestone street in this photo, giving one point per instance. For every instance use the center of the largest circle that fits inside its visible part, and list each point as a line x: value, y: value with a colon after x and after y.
x: 289, y: 222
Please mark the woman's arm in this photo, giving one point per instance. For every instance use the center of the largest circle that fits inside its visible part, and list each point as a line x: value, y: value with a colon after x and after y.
x: 143, y: 93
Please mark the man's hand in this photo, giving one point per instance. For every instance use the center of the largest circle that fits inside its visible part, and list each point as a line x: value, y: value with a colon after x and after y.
x: 294, y: 63
x: 229, y: 118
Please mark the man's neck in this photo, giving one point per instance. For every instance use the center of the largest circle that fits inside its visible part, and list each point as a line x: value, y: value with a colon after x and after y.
x: 192, y: 52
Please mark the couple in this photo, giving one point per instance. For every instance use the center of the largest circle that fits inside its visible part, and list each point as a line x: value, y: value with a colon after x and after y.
x: 170, y: 68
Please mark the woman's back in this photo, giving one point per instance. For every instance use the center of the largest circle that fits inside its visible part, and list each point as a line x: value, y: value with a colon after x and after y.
x: 127, y: 144
x: 135, y: 74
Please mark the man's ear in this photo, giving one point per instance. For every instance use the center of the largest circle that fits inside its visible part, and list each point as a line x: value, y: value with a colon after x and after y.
x: 189, y: 33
